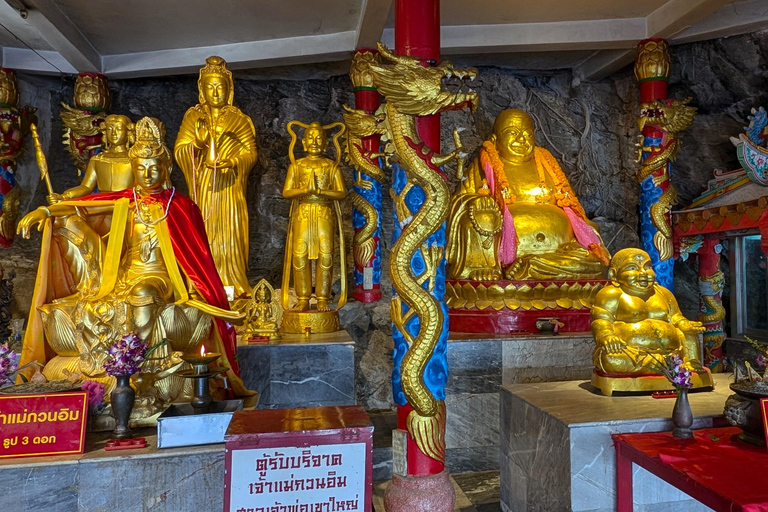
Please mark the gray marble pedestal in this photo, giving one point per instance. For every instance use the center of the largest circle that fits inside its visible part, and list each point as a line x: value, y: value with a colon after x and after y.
x: 557, y: 453
x: 478, y: 365
x: 296, y: 372
x: 145, y: 480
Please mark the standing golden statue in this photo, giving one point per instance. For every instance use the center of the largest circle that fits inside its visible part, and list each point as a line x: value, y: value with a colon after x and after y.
x: 315, y: 186
x: 152, y: 274
x: 110, y: 170
x: 637, y: 322
x: 517, y: 216
x: 216, y: 149
x: 82, y: 133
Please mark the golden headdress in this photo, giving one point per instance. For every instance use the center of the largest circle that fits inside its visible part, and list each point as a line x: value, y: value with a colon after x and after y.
x: 150, y: 140
x: 216, y: 66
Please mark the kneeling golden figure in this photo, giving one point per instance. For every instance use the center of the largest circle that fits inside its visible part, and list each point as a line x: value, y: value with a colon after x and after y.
x: 315, y: 186
x: 636, y: 322
x: 152, y: 274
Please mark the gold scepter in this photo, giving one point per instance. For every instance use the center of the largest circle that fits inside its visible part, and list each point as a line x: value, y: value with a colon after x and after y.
x: 42, y: 163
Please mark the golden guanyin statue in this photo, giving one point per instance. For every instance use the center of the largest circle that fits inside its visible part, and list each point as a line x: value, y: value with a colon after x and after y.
x: 515, y: 216
x: 315, y: 186
x: 636, y: 323
x: 262, y: 313
x: 216, y: 149
x: 110, y: 170
x: 151, y: 274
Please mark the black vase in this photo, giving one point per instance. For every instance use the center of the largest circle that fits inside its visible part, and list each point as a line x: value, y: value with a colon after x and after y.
x: 122, y: 398
x: 682, y: 416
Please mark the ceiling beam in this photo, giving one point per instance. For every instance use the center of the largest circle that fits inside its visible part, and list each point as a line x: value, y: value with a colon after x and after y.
x: 373, y: 18
x: 731, y: 20
x: 246, y: 55
x: 63, y: 35
x: 668, y: 20
x: 550, y: 36
x: 42, y: 62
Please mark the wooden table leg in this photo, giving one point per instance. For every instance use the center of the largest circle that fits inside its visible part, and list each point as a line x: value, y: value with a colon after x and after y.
x: 623, y: 481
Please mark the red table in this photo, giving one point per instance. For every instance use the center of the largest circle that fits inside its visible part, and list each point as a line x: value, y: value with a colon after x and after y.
x: 715, y: 467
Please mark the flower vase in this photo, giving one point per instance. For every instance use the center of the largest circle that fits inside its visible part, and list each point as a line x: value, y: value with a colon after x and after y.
x: 682, y: 416
x: 122, y: 398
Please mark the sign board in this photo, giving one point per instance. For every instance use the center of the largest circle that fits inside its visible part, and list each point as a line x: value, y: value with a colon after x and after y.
x: 42, y: 424
x: 302, y: 460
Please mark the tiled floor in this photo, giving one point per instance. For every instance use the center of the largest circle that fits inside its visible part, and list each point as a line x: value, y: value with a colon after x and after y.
x: 475, y: 492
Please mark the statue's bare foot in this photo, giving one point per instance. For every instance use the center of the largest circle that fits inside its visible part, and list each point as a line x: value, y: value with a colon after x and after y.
x: 322, y: 305
x: 301, y: 305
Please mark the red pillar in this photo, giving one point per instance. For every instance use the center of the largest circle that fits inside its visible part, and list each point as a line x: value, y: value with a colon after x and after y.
x: 711, y: 281
x: 417, y: 34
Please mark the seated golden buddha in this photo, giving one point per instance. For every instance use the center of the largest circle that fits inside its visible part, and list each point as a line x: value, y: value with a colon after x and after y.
x: 516, y: 217
x: 152, y: 274
x: 636, y: 323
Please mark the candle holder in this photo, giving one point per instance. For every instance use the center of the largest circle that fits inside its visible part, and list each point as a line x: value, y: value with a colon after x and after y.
x: 201, y: 373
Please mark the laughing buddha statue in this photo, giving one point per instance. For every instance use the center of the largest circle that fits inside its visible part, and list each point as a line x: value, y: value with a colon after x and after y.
x: 636, y: 323
x: 152, y: 274
x: 516, y: 217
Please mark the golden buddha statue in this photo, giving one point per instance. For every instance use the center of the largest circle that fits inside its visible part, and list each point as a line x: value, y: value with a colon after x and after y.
x: 216, y: 149
x: 515, y: 216
x: 636, y: 323
x: 262, y: 313
x: 110, y: 170
x: 152, y: 274
x: 315, y: 186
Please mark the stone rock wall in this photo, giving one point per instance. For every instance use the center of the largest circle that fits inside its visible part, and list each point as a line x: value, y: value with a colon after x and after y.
x: 590, y: 128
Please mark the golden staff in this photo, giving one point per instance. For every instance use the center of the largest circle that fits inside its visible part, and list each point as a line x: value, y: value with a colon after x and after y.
x: 42, y: 163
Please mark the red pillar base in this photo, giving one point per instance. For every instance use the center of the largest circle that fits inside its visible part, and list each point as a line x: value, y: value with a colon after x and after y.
x: 431, y: 493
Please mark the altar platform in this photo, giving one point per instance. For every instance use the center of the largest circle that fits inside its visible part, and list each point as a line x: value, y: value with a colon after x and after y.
x: 557, y: 453
x: 479, y: 364
x: 296, y: 371
x: 148, y: 479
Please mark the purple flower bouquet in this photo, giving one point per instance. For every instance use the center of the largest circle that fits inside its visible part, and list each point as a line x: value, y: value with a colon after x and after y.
x: 126, y: 356
x: 9, y: 364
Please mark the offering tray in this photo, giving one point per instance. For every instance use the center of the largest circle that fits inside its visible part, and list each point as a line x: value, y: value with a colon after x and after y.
x: 180, y: 425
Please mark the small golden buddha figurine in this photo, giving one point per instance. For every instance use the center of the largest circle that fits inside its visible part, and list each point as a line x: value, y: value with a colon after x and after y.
x: 82, y: 133
x: 110, y: 170
x: 636, y: 322
x: 516, y: 216
x: 262, y: 313
x: 152, y: 275
x: 216, y: 149
x: 315, y: 186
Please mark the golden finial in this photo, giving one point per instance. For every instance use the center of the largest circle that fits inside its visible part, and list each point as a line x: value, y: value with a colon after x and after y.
x: 360, y: 72
x: 652, y: 60
x: 91, y: 92
x: 9, y: 90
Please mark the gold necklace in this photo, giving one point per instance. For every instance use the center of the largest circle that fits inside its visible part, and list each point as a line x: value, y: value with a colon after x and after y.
x: 143, y: 208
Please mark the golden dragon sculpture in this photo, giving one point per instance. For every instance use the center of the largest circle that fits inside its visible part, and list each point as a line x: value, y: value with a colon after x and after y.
x: 671, y: 116
x: 359, y: 125
x: 412, y: 90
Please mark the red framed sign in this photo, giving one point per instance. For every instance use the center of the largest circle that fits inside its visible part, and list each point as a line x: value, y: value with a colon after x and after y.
x: 42, y: 424
x: 303, y: 460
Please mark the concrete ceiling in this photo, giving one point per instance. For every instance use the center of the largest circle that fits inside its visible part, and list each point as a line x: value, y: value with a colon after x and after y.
x: 133, y: 38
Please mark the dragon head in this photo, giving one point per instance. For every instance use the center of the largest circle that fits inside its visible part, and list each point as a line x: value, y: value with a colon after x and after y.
x: 362, y: 124
x: 417, y: 90
x: 670, y: 115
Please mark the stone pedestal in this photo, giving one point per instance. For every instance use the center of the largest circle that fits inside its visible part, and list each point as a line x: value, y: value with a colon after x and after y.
x: 296, y: 371
x: 479, y: 364
x: 557, y: 453
x: 166, y: 480
x: 429, y: 493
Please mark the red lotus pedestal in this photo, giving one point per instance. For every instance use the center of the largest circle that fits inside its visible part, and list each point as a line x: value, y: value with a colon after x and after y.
x: 515, y: 307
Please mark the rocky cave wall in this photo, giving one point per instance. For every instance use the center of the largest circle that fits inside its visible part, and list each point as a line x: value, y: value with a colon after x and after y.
x: 590, y: 127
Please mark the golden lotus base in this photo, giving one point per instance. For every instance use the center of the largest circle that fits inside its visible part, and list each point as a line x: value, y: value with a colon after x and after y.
x: 297, y: 322
x: 526, y: 295
x: 609, y: 384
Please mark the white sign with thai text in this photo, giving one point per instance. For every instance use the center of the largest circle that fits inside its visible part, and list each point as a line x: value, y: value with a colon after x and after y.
x: 323, y: 478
